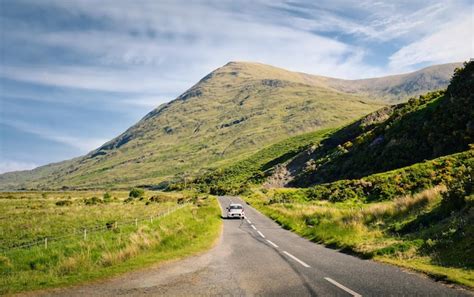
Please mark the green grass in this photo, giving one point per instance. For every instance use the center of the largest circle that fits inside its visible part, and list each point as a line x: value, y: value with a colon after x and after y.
x: 103, y: 254
x: 237, y: 178
x: 430, y: 230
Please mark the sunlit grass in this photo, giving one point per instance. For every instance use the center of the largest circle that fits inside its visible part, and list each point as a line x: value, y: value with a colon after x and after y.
x: 71, y: 260
x: 371, y: 230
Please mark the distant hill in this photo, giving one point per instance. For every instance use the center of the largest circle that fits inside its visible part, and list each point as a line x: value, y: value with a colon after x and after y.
x: 228, y: 115
x: 397, y: 88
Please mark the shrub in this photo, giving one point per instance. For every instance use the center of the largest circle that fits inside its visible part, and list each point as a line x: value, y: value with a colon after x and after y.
x: 93, y: 201
x: 107, y: 197
x: 63, y: 203
x: 136, y: 193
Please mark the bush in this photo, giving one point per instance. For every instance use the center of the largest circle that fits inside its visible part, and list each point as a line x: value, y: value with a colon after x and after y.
x: 93, y: 201
x: 405, y: 181
x: 107, y: 197
x: 136, y: 193
x: 63, y: 203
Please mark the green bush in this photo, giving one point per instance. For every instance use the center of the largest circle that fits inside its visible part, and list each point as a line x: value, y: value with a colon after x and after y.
x: 136, y: 193
x: 63, y: 203
x: 93, y: 201
x: 107, y: 197
x: 405, y: 181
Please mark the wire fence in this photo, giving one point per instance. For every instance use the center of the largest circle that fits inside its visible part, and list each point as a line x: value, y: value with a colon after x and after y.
x: 86, y: 231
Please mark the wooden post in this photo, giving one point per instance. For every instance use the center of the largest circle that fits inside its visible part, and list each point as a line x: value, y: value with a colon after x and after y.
x: 46, y: 243
x: 85, y: 234
x: 136, y: 222
x: 151, y: 219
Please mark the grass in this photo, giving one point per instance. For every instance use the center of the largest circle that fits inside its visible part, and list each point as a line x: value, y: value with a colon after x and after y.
x: 103, y: 254
x: 237, y: 177
x: 407, y: 230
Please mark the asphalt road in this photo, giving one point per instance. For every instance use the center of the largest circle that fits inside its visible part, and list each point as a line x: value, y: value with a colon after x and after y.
x: 255, y: 257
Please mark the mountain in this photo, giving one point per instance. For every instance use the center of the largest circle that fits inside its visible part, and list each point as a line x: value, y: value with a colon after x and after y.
x: 434, y: 125
x: 396, y: 88
x: 228, y: 115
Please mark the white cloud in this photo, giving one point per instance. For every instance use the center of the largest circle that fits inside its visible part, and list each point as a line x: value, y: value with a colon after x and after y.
x: 94, y: 78
x: 453, y: 43
x: 82, y: 144
x: 9, y: 166
x: 379, y: 21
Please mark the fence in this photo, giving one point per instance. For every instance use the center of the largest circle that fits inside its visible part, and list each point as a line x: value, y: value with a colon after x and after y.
x: 84, y: 232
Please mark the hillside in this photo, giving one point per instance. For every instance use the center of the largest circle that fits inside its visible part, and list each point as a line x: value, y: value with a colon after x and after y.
x: 228, y: 115
x: 432, y: 125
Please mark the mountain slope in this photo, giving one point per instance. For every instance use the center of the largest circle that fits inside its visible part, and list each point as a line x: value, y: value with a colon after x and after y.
x: 428, y: 127
x: 433, y: 125
x: 228, y: 115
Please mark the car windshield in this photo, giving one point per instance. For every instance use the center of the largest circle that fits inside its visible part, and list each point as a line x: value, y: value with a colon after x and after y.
x: 235, y: 207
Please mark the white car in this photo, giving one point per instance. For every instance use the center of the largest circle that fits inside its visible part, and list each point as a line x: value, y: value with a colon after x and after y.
x: 235, y: 210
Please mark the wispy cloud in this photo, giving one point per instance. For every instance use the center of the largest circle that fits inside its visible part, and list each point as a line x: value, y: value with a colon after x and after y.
x: 83, y: 144
x: 8, y: 166
x: 446, y: 45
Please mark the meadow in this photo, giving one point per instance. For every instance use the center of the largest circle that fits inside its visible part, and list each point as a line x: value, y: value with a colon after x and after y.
x: 124, y: 231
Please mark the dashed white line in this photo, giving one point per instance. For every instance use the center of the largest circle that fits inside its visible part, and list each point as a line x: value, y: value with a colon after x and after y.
x: 343, y: 287
x: 253, y: 227
x: 274, y: 245
x: 261, y: 234
x: 296, y: 259
x: 248, y: 221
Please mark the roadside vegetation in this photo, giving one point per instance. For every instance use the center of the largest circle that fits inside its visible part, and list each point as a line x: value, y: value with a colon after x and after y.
x: 125, y: 230
x: 429, y: 228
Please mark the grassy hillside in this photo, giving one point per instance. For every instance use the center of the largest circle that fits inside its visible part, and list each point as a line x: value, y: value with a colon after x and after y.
x: 228, y: 115
x: 430, y: 126
x: 238, y: 177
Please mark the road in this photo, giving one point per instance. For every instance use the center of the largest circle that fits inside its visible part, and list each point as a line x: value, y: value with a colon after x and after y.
x: 255, y: 257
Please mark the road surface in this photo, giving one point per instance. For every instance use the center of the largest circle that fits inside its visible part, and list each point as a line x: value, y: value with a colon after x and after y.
x: 255, y: 257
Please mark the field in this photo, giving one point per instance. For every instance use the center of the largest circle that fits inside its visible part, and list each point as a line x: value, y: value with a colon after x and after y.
x: 122, y: 233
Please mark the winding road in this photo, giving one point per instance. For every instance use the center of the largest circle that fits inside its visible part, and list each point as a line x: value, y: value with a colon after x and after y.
x: 256, y: 257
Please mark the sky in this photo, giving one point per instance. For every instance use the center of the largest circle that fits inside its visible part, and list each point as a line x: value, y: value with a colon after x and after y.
x: 75, y: 74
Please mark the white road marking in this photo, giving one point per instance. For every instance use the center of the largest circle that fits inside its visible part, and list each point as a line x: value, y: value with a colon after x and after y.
x: 274, y: 245
x: 253, y: 227
x: 261, y: 234
x: 248, y: 221
x: 296, y: 259
x: 343, y: 287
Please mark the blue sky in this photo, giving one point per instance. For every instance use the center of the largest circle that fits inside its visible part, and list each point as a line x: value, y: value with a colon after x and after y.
x: 75, y: 74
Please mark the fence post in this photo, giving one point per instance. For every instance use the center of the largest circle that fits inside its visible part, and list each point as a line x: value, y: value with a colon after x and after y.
x: 136, y: 222
x: 151, y: 219
x: 46, y: 243
x: 85, y: 234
